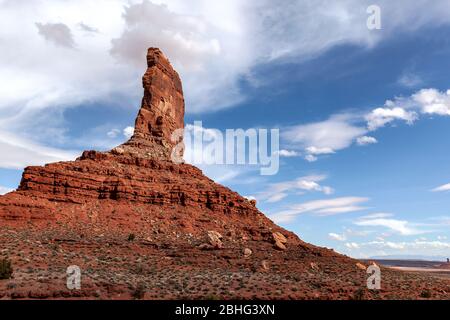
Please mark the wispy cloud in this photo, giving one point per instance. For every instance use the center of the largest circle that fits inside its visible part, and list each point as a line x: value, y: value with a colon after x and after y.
x: 418, y: 247
x: 278, y: 191
x: 445, y: 187
x: 337, y: 237
x: 326, y: 207
x: 18, y: 152
x: 410, y: 80
x: 401, y: 227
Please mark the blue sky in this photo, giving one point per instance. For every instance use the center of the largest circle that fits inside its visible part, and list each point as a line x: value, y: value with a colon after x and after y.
x: 364, y: 176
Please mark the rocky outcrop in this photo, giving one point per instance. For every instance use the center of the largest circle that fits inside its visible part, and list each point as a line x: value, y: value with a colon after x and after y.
x: 161, y: 115
x: 279, y: 240
x: 139, y: 175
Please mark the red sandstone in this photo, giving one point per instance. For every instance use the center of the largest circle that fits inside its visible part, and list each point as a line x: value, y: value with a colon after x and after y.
x: 192, y: 238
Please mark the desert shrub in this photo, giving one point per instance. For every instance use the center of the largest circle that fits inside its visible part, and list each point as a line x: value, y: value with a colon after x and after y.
x: 139, y: 292
x: 359, y: 294
x: 425, y: 294
x: 131, y: 237
x: 6, y: 269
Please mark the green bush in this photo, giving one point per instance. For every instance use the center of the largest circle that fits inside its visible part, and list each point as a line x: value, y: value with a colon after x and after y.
x: 6, y: 269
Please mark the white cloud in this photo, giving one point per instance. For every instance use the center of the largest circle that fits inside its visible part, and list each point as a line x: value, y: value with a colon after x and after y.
x: 287, y: 153
x: 321, y: 208
x: 391, y: 248
x: 113, y: 133
x: 426, y: 101
x: 445, y: 187
x: 311, y: 158
x: 278, y: 191
x: 18, y: 153
x: 326, y: 137
x: 401, y: 227
x: 128, y: 132
x: 352, y: 245
x: 318, y: 151
x: 432, y: 101
x: 337, y: 237
x: 4, y: 190
x: 340, y: 131
x: 214, y: 46
x: 366, y: 140
x: 381, y: 116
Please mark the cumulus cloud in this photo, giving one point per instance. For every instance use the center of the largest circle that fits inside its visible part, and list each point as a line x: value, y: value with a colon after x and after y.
x: 325, y: 207
x: 128, y: 132
x: 366, y: 140
x: 342, y: 130
x: 432, y: 101
x: 426, y: 102
x: 381, y: 116
x: 58, y: 33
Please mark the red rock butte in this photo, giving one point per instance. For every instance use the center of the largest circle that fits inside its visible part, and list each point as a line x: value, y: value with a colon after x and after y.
x: 122, y: 189
x: 142, y: 226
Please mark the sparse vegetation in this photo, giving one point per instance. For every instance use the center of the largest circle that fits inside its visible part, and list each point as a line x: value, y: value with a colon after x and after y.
x: 131, y: 237
x: 6, y: 269
x: 426, y: 294
x: 211, y: 297
x: 359, y: 294
x: 139, y: 292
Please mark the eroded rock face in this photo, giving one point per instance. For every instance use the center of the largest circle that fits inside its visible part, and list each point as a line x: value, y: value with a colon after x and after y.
x: 160, y: 122
x: 137, y: 175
